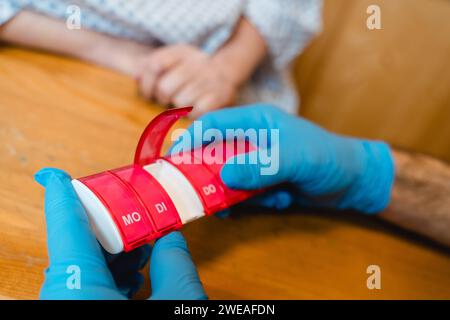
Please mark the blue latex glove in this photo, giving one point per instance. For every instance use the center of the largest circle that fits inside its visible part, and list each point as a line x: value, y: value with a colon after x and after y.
x: 73, y: 250
x: 322, y: 169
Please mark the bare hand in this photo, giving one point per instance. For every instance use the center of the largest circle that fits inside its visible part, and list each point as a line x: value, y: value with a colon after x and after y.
x: 184, y: 75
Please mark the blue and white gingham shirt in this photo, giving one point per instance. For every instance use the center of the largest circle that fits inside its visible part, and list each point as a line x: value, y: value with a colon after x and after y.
x: 286, y: 25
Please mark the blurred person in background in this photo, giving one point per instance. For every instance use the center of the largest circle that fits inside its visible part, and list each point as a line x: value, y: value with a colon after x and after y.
x: 209, y: 54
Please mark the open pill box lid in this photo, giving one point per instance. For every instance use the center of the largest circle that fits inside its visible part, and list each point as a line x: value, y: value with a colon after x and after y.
x: 152, y: 139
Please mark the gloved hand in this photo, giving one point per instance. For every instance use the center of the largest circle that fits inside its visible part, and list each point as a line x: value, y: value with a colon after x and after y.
x: 322, y: 169
x: 80, y: 269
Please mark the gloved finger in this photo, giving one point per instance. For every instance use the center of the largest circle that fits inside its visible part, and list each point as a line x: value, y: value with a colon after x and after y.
x: 246, y: 117
x: 125, y: 268
x: 273, y: 199
x: 128, y: 261
x: 243, y: 172
x: 223, y: 214
x: 172, y: 272
x: 129, y: 283
x: 69, y: 234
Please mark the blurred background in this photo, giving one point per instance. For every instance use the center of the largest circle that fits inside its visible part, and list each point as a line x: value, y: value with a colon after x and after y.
x: 391, y: 84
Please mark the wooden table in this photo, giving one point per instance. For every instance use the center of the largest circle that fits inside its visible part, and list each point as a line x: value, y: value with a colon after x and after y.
x: 67, y: 114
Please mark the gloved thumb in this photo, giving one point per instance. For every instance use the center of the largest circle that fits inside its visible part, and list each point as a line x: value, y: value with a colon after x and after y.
x: 246, y: 172
x: 69, y: 234
x: 172, y: 272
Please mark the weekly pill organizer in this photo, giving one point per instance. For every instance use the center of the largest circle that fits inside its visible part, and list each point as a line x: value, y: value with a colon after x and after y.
x: 135, y: 204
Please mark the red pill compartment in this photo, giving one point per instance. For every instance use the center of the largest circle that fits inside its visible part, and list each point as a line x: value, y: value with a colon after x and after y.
x: 160, y: 208
x: 207, y: 186
x: 128, y: 213
x: 215, y: 163
x: 202, y: 168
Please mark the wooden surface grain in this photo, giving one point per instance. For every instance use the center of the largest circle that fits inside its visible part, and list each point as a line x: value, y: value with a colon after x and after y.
x: 63, y: 113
